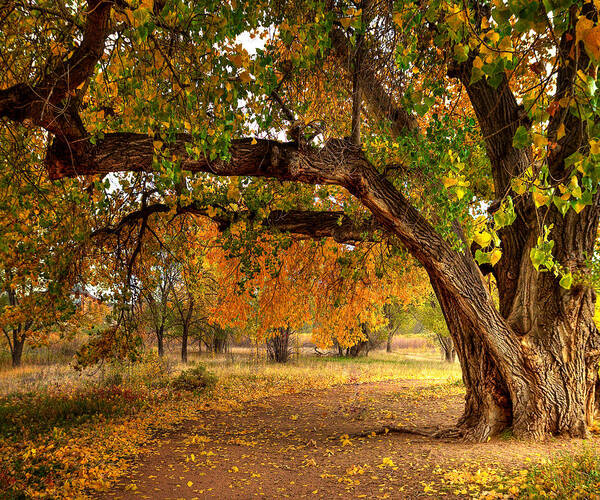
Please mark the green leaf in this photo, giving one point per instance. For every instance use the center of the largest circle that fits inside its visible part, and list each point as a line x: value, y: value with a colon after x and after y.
x: 522, y: 138
x: 461, y: 52
x: 566, y: 281
x: 537, y: 258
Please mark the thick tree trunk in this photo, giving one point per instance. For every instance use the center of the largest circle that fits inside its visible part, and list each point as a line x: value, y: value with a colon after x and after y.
x: 536, y: 370
x: 388, y: 345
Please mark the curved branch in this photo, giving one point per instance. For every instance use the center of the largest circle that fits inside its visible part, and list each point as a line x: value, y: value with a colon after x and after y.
x: 42, y: 103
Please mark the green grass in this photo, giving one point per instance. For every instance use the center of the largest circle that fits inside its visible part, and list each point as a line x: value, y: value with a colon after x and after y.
x: 572, y: 476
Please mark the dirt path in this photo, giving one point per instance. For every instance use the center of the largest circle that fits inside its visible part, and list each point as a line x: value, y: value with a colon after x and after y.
x: 294, y: 446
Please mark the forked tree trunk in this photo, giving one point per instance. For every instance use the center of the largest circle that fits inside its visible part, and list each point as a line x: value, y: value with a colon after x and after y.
x: 278, y: 346
x: 535, y: 370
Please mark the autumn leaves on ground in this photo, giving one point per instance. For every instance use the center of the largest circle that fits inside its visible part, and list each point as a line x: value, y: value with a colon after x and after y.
x: 236, y: 426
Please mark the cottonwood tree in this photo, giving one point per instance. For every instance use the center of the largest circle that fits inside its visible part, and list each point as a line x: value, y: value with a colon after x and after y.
x: 403, y: 119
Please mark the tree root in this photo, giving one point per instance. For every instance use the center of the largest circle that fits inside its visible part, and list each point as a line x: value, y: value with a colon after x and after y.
x: 395, y: 429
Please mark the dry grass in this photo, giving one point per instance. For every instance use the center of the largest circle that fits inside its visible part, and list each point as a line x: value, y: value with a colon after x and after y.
x: 243, y: 365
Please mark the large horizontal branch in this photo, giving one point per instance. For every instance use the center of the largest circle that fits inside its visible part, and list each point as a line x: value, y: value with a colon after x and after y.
x: 129, y: 152
x: 311, y: 224
x: 336, y: 225
x: 339, y: 162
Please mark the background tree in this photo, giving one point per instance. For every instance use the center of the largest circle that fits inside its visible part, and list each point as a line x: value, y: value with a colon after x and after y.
x: 156, y: 290
x: 41, y: 231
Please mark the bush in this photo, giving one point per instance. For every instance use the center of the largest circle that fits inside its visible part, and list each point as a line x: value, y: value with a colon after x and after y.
x: 194, y: 379
x: 152, y: 371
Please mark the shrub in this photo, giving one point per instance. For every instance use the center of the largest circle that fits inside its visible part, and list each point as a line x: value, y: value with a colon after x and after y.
x: 194, y: 379
x: 152, y: 371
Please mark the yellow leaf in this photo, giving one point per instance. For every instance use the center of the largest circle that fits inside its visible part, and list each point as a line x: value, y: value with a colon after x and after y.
x: 495, y: 256
x: 493, y: 36
x: 253, y: 141
x: 518, y: 185
x: 539, y: 140
x: 578, y: 206
x: 450, y: 181
x: 539, y: 198
x: 591, y: 41
x: 478, y: 63
x: 582, y: 27
x: 483, y: 239
x: 560, y: 133
x: 595, y: 147
x: 460, y: 192
x: 190, y: 484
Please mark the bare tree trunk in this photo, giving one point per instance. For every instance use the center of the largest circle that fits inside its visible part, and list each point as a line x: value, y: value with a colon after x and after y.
x: 278, y: 346
x: 17, y: 348
x: 184, y: 342
x: 447, y: 346
x: 160, y: 341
